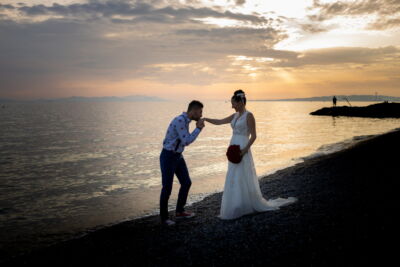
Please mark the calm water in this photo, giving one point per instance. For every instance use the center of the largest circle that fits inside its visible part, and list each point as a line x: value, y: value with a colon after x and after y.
x: 67, y: 167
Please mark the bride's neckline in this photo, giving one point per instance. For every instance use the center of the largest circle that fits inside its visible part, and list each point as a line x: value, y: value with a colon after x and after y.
x: 240, y: 115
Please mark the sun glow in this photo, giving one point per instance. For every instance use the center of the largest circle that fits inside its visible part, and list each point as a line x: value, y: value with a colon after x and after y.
x: 222, y: 22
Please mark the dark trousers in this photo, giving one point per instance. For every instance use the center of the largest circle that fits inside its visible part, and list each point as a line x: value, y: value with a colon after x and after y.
x: 173, y: 163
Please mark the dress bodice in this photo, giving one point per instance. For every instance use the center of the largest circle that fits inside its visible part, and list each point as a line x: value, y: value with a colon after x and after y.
x: 239, y: 124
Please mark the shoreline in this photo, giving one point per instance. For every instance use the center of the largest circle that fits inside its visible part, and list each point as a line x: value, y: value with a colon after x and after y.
x: 16, y: 250
x: 64, y: 237
x: 291, y: 181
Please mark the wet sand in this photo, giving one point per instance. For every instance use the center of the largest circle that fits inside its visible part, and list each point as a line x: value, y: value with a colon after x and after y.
x: 344, y: 216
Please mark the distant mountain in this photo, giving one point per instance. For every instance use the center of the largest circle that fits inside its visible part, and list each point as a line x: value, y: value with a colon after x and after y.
x: 4, y: 100
x: 350, y: 98
x: 130, y: 98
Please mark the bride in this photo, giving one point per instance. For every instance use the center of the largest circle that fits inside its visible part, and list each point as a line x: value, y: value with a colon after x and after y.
x: 242, y: 194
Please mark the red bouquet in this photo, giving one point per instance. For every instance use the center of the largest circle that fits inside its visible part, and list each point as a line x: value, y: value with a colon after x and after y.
x: 233, y: 154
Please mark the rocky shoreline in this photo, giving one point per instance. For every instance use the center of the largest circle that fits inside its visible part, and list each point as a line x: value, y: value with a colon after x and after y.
x: 344, y: 216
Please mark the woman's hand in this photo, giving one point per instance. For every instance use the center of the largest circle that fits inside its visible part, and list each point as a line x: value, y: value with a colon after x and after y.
x: 243, y: 151
x: 200, y: 124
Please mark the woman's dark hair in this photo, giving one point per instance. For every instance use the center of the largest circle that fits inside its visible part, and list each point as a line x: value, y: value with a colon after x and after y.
x: 194, y: 105
x: 239, y: 96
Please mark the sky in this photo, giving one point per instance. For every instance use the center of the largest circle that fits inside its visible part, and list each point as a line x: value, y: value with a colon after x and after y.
x: 199, y: 49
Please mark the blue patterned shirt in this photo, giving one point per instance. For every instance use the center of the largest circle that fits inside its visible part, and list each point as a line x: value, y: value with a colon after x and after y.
x: 179, y: 129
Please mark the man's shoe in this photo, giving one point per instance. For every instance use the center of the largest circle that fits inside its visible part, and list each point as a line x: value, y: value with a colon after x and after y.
x: 168, y: 222
x: 184, y: 214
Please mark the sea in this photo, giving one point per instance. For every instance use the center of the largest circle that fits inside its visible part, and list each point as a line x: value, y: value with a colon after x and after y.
x: 68, y: 168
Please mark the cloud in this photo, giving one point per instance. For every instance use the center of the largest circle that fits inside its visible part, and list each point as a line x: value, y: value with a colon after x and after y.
x: 118, y: 41
x: 384, y: 23
x: 312, y: 28
x: 138, y: 11
x: 342, y: 55
x: 6, y: 7
x: 113, y: 42
x: 387, y: 11
x: 235, y: 34
x: 240, y: 2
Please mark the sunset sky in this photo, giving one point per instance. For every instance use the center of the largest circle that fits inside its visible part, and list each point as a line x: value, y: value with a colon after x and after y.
x: 200, y: 49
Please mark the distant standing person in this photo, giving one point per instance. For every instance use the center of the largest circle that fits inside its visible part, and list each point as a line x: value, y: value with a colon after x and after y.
x: 334, y: 101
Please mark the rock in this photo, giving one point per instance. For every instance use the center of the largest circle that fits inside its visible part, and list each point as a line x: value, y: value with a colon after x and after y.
x: 380, y: 110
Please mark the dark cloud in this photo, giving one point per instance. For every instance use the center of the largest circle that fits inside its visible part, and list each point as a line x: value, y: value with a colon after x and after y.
x: 312, y: 28
x: 140, y: 11
x: 387, y: 10
x: 240, y: 2
x: 6, y: 7
x: 384, y: 23
x: 234, y: 32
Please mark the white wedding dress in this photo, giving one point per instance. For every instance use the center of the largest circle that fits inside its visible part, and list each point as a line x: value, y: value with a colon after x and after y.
x: 242, y: 194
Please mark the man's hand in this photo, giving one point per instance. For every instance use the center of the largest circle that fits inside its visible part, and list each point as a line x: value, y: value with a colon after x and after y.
x: 200, y: 123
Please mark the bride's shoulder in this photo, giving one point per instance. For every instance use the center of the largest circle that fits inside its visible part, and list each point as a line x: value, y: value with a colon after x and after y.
x: 249, y: 114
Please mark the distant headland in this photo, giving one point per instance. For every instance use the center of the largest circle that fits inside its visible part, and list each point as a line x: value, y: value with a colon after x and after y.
x: 341, y: 98
x: 380, y: 110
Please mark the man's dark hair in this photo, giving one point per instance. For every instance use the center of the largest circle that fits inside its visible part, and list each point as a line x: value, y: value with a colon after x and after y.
x: 194, y: 105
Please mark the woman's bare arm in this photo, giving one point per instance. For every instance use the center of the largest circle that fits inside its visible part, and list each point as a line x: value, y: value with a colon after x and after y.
x: 222, y: 121
x: 251, y: 124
